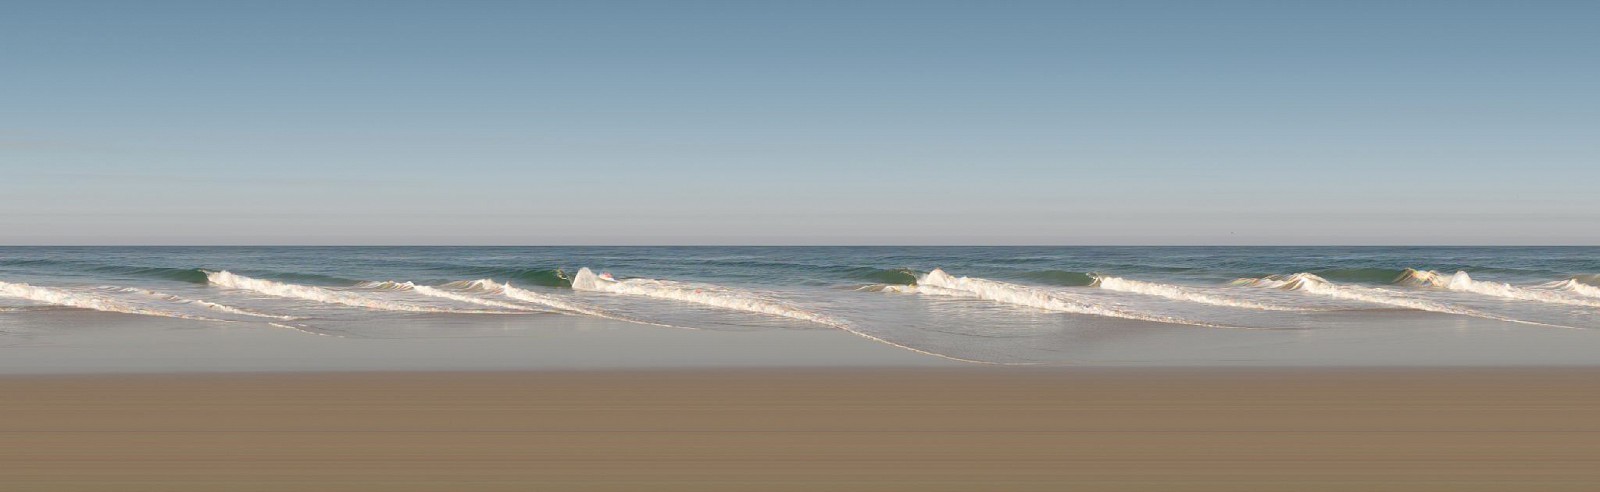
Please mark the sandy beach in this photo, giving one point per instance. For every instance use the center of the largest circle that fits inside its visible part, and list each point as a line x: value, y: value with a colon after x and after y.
x: 807, y: 429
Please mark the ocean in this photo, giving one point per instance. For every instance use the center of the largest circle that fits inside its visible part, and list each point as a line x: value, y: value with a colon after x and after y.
x: 983, y: 305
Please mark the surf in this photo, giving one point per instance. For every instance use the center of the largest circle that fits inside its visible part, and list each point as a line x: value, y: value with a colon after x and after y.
x: 200, y: 302
x: 82, y: 300
x: 561, y: 305
x: 1462, y: 282
x: 1174, y: 292
x: 317, y: 294
x: 721, y: 297
x: 1575, y: 286
x: 1311, y: 284
x: 703, y: 294
x: 444, y: 294
x: 940, y: 283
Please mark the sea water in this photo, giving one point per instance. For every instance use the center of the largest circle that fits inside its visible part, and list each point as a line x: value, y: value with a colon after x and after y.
x: 981, y: 305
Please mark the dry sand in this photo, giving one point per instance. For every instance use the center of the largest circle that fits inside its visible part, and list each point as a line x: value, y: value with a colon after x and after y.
x: 808, y: 430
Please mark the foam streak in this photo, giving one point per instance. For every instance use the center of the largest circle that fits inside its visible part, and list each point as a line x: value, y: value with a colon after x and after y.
x: 203, y: 303
x: 1312, y: 284
x: 444, y: 294
x: 1180, y: 293
x: 715, y: 296
x: 316, y: 294
x: 939, y: 283
x: 1461, y: 282
x: 61, y: 297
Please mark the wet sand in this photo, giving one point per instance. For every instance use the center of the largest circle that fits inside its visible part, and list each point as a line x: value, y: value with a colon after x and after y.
x: 957, y: 429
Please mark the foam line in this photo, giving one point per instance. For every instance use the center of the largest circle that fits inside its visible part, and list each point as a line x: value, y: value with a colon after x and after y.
x: 318, y: 294
x: 1312, y: 284
x: 561, y: 305
x: 1461, y: 282
x: 717, y: 296
x: 708, y: 295
x: 199, y: 302
x: 82, y: 300
x: 1576, y: 287
x: 444, y: 294
x: 939, y: 283
x: 1180, y: 293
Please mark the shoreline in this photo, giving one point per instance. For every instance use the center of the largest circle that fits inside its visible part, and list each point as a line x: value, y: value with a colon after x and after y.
x: 91, y: 343
x: 955, y: 428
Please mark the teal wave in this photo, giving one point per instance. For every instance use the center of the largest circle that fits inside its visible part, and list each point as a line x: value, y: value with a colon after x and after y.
x: 1061, y: 277
x: 891, y: 276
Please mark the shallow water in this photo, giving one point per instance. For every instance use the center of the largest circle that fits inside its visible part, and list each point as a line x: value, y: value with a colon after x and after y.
x: 1028, y: 305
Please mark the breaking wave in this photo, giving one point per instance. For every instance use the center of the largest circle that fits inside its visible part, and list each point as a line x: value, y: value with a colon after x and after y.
x: 506, y: 289
x: 892, y: 276
x: 1461, y: 282
x: 529, y: 276
x: 81, y: 300
x: 190, y: 275
x: 200, y: 302
x: 717, y: 296
x: 939, y: 283
x: 1312, y: 284
x: 1576, y: 287
x: 1181, y: 294
x: 317, y: 294
x: 444, y: 294
x: 709, y: 295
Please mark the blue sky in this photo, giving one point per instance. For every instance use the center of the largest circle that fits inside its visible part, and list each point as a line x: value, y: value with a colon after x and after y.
x: 799, y: 122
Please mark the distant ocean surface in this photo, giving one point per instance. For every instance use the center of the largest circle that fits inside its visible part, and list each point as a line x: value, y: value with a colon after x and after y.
x: 1005, y: 305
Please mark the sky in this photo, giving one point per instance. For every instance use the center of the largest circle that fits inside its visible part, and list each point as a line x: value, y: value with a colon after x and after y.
x: 747, y: 122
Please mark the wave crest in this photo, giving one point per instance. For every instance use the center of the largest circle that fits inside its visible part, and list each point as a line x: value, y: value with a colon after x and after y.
x: 892, y: 276
x: 528, y: 276
x: 429, y: 291
x: 704, y: 294
x: 721, y: 297
x: 939, y: 283
x: 189, y: 275
x: 1180, y: 293
x: 1312, y: 284
x: 316, y: 294
x: 1462, y: 282
x: 506, y: 289
x: 1575, y: 286
x: 201, y: 302
x: 81, y: 300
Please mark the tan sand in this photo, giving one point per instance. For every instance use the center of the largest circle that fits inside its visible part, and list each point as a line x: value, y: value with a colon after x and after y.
x: 808, y: 430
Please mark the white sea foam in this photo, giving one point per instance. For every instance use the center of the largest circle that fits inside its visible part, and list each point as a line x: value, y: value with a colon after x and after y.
x: 721, y: 297
x: 200, y: 302
x: 317, y: 294
x: 1180, y: 293
x: 84, y: 300
x: 1576, y: 287
x: 1461, y: 282
x: 525, y: 295
x: 1312, y: 284
x: 444, y: 294
x: 709, y: 295
x: 939, y: 283
x: 303, y: 329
